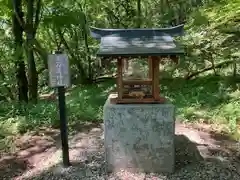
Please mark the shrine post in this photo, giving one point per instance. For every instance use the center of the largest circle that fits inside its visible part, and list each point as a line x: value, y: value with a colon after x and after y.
x: 59, y: 77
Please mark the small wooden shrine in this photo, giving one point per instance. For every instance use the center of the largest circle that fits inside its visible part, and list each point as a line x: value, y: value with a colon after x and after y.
x: 127, y: 44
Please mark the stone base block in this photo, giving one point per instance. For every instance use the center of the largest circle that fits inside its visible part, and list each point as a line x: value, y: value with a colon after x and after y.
x: 139, y: 137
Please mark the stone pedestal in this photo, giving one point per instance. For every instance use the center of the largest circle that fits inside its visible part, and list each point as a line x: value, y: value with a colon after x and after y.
x: 139, y: 137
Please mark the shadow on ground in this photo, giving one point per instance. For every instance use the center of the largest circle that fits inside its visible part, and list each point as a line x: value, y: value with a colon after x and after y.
x: 85, y: 104
x: 12, y: 167
x: 186, y: 152
x: 32, y: 148
x: 190, y: 164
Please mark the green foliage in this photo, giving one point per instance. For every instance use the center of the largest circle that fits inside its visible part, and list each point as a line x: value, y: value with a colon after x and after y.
x: 212, y: 37
x: 84, y: 104
x: 210, y: 99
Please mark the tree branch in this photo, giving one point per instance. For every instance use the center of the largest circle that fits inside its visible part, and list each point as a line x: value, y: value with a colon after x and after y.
x: 21, y: 22
x: 220, y: 65
x: 37, y: 16
x: 41, y: 51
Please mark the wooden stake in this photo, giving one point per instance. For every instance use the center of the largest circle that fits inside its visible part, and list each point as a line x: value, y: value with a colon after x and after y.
x: 155, y: 75
x: 119, y: 78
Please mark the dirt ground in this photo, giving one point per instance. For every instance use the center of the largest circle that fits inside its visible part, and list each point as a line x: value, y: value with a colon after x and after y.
x: 200, y: 154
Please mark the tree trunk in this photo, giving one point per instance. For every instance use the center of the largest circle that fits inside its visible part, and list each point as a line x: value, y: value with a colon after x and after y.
x: 32, y: 72
x: 19, y: 63
x: 139, y: 19
x: 22, y: 81
x: 89, y: 60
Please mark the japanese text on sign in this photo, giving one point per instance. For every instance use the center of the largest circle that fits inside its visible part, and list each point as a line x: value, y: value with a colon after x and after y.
x: 58, y: 67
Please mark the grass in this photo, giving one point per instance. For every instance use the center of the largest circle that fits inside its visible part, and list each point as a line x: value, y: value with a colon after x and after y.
x: 83, y: 104
x: 213, y: 99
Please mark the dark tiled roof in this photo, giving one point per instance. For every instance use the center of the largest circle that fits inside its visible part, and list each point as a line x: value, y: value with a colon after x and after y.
x: 138, y: 42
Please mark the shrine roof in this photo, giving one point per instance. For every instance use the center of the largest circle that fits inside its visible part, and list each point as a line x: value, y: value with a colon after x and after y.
x: 138, y: 42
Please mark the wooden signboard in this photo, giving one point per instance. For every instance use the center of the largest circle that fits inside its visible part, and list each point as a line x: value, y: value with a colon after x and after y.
x: 58, y: 67
x: 59, y: 77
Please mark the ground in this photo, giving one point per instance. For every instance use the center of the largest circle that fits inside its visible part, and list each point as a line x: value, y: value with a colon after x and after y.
x: 200, y: 154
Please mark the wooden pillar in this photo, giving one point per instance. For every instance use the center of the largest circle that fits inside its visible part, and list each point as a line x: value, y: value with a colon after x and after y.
x: 119, y: 78
x: 155, y: 76
x: 150, y: 67
x: 126, y: 64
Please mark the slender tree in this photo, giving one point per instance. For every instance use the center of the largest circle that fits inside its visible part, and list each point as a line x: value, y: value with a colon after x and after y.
x: 21, y: 77
x: 30, y: 27
x: 139, y: 18
x: 32, y: 72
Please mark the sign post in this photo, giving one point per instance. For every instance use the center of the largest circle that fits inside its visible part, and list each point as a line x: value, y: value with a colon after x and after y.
x: 59, y: 77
